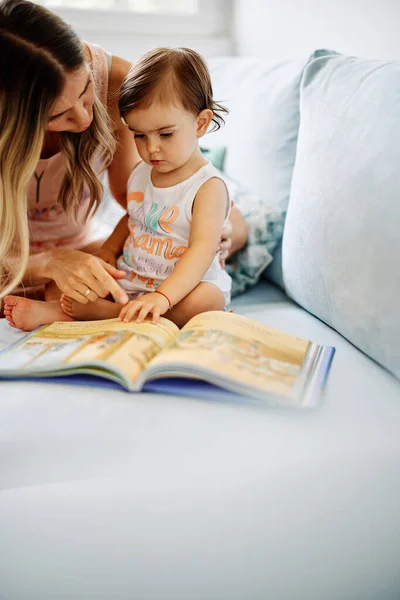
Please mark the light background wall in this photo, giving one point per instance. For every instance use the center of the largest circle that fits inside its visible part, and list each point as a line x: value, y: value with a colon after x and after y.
x: 129, y: 35
x: 283, y: 29
x: 273, y: 29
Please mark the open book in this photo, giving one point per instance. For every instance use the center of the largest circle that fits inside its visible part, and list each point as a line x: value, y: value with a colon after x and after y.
x: 216, y: 355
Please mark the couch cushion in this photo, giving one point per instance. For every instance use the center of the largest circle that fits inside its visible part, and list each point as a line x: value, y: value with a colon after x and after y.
x: 261, y: 130
x: 341, y: 246
x: 102, y: 489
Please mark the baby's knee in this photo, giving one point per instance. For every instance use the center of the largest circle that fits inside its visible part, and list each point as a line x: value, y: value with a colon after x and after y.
x: 206, y: 297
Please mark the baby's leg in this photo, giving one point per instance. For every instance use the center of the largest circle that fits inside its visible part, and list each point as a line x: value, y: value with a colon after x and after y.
x: 93, y: 311
x: 27, y: 314
x: 52, y: 293
x: 206, y: 296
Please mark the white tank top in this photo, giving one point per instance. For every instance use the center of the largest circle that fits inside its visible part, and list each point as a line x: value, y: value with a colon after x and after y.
x: 159, y: 226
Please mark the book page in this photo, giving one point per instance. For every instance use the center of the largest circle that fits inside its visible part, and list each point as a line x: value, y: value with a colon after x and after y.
x: 240, y: 349
x: 127, y: 346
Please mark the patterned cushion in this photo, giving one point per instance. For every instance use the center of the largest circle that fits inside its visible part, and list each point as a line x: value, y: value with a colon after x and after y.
x: 265, y: 225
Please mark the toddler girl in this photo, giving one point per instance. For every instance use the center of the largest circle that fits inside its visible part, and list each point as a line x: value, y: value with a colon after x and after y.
x: 177, y: 202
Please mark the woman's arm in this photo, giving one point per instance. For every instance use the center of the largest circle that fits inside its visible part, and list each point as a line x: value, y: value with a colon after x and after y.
x: 234, y: 235
x: 126, y: 155
x: 240, y: 231
x: 37, y: 270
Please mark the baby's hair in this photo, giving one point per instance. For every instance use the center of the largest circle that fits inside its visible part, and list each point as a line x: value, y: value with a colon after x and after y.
x: 169, y: 75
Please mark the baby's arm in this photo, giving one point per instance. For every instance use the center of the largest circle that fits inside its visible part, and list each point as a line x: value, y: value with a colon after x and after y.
x: 114, y: 244
x: 209, y: 213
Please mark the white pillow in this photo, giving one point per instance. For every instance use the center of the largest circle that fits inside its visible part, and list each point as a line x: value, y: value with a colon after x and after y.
x: 341, y: 246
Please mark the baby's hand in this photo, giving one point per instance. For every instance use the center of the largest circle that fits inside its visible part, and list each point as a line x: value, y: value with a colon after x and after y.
x: 149, y: 303
x: 108, y: 256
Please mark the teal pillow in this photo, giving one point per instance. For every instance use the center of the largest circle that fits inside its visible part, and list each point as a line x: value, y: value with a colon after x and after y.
x: 215, y: 155
x: 341, y: 246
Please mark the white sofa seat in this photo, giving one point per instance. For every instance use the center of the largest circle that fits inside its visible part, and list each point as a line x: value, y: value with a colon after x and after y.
x: 107, y: 494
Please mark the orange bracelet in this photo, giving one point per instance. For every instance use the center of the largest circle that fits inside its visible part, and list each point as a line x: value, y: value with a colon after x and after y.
x: 166, y: 297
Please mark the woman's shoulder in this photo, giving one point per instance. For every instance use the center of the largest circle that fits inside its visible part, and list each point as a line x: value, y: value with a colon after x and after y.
x: 109, y: 68
x: 119, y: 70
x: 98, y: 61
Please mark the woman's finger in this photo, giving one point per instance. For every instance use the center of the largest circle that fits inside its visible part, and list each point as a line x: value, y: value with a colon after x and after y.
x: 81, y: 292
x: 89, y: 293
x: 97, y: 286
x: 226, y: 231
x: 102, y: 273
x: 113, y: 271
x: 71, y: 291
x: 225, y: 245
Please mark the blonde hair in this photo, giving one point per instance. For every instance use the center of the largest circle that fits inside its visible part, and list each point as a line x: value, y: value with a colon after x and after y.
x: 168, y: 74
x: 81, y: 151
x: 17, y: 165
x: 39, y: 49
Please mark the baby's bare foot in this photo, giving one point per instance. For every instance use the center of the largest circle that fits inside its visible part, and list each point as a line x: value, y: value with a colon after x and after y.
x: 27, y: 314
x: 92, y: 311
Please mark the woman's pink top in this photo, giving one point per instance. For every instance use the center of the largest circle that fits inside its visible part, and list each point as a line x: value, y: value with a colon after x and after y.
x: 49, y: 225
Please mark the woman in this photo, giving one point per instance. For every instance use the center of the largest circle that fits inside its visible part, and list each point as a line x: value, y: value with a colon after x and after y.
x: 60, y: 131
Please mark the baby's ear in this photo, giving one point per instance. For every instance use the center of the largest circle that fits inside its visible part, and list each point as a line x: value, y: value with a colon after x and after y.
x: 203, y: 121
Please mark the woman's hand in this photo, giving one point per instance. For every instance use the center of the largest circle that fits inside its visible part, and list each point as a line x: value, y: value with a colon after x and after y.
x: 225, y: 244
x: 234, y: 235
x: 152, y: 303
x: 84, y: 277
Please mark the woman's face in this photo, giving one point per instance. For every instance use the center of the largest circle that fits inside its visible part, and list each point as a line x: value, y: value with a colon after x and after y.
x: 73, y: 109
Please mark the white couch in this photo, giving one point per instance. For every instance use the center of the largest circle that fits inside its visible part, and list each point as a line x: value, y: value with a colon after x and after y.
x: 106, y: 495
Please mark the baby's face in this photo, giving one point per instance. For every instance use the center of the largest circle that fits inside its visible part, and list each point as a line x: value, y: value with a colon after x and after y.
x: 166, y: 136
